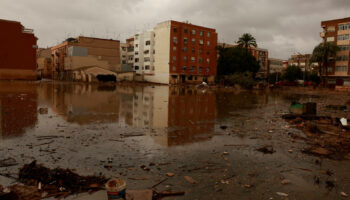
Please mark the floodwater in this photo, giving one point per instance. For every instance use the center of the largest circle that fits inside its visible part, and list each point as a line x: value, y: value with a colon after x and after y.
x: 164, y: 129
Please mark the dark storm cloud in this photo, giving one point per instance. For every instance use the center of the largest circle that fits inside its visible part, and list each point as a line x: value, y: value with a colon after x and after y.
x: 282, y: 26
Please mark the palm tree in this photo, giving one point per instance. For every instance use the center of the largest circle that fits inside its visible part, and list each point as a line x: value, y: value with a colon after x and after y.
x: 246, y: 41
x: 321, y: 54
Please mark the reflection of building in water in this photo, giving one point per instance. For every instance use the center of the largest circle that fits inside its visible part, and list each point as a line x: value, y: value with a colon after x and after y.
x: 126, y: 105
x: 82, y: 104
x: 192, y: 113
x: 18, y: 108
x: 150, y: 107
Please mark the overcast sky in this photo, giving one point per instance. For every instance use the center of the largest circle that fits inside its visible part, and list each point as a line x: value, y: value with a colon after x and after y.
x: 281, y: 26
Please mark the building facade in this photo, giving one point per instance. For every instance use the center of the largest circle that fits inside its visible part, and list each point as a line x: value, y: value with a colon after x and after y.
x: 338, y: 31
x: 275, y: 65
x: 17, y: 51
x: 85, y: 58
x: 44, y: 63
x: 127, y: 55
x: 176, y: 52
x: 144, y: 51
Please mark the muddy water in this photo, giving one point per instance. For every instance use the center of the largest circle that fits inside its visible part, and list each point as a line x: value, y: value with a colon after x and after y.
x: 168, y: 129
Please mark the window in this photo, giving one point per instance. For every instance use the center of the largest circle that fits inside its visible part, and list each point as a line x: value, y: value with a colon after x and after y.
x: 208, y: 43
x: 147, y: 67
x: 201, y: 33
x: 174, y: 49
x: 193, y: 41
x: 185, y: 40
x: 342, y: 58
x: 184, y: 68
x: 174, y: 58
x: 201, y: 42
x: 136, y: 60
x: 192, y: 68
x: 185, y: 30
x: 146, y: 52
x: 342, y: 37
x: 344, y: 47
x: 175, y: 30
x: 175, y: 40
x: 193, y: 59
x: 154, y: 51
x: 193, y: 32
x: 136, y: 45
x: 330, y: 39
x: 147, y: 59
x: 130, y: 57
x: 124, y: 48
x: 137, y: 67
x: 123, y: 62
x: 208, y: 34
x: 208, y: 69
x: 341, y: 68
x: 200, y: 60
x: 200, y: 69
x: 174, y: 68
x: 136, y: 53
x: 193, y: 50
x: 148, y: 43
x: 208, y: 60
x: 344, y: 26
x: 185, y: 58
x: 329, y: 69
x: 185, y: 49
x: 200, y: 51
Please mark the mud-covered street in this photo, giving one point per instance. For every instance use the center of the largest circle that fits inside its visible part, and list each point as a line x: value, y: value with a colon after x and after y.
x: 228, y: 144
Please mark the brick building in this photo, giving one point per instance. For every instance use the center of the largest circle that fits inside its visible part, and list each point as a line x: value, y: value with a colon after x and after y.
x: 44, y: 63
x: 84, y: 58
x: 176, y: 52
x: 17, y: 51
x: 338, y: 31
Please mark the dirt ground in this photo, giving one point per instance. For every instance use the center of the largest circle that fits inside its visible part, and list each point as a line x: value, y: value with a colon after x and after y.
x: 233, y: 144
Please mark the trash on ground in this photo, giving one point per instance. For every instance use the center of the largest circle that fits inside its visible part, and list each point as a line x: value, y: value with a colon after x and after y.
x: 190, y: 179
x: 116, y: 189
x: 266, y: 149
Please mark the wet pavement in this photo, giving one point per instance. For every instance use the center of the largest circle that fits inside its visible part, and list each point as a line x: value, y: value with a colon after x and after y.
x: 141, y: 133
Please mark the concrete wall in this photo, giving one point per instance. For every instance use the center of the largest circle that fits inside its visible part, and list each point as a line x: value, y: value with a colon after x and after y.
x: 125, y: 76
x: 162, y: 54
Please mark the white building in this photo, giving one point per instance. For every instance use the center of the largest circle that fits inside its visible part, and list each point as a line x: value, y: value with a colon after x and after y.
x: 144, y: 53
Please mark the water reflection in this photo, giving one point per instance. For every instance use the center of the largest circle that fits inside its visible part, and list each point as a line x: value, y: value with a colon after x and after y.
x: 170, y: 115
x: 18, y: 108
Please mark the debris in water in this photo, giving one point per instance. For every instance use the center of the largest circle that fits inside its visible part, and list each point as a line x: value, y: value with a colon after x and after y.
x: 190, y: 180
x: 266, y: 150
x: 282, y: 194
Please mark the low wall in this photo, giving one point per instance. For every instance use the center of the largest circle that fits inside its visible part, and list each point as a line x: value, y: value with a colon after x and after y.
x: 18, y: 74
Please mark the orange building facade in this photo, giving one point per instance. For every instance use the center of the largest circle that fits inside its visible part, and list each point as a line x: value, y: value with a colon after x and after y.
x: 193, y: 55
x: 17, y: 51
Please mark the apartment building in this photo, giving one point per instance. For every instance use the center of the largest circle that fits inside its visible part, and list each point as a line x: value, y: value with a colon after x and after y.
x: 275, y: 65
x: 17, y: 51
x: 176, y: 52
x: 44, y: 63
x: 338, y: 31
x: 144, y: 52
x: 85, y: 59
x: 127, y: 55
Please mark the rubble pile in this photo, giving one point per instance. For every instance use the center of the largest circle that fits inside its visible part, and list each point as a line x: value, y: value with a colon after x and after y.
x: 326, y: 136
x: 41, y: 182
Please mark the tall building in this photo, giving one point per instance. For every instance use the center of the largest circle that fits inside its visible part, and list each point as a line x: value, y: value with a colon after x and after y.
x: 144, y: 51
x: 275, y: 65
x: 127, y: 55
x: 176, y: 52
x: 17, y: 51
x: 85, y: 58
x: 338, y: 31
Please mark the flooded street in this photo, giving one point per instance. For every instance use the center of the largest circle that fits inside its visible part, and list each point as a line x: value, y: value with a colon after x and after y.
x: 141, y: 133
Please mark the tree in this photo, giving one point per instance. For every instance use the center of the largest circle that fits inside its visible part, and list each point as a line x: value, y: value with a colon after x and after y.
x: 322, y: 53
x: 292, y: 73
x: 234, y: 60
x: 246, y: 41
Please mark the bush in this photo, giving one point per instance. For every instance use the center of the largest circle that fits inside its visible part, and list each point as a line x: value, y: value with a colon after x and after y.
x: 292, y: 73
x: 245, y: 80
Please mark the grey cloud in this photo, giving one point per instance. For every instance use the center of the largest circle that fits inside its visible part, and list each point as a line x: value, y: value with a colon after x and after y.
x: 282, y: 26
